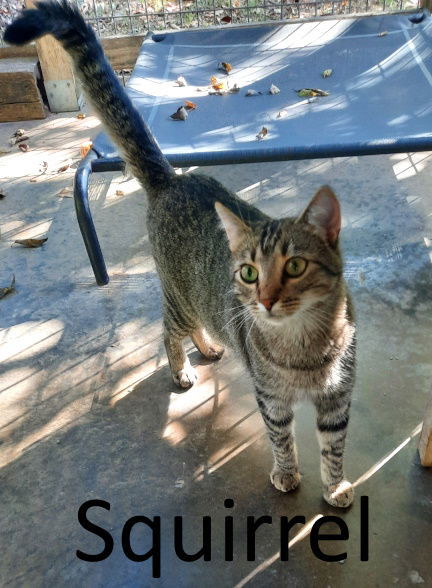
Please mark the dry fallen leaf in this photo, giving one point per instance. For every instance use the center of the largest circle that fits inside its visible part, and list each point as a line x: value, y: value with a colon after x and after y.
x: 225, y: 67
x: 180, y: 114
x: 24, y: 147
x: 8, y: 289
x: 235, y: 89
x: 65, y: 193
x: 14, y: 140
x: 64, y: 167
x: 217, y: 84
x: 85, y: 148
x: 33, y: 180
x: 383, y: 34
x: 252, y: 92
x: 119, y: 193
x: 327, y: 73
x: 43, y: 167
x: 31, y: 243
x: 180, y: 81
x: 81, y: 115
x: 190, y: 105
x: 274, y: 89
x: 263, y: 132
x: 310, y: 92
x: 226, y: 19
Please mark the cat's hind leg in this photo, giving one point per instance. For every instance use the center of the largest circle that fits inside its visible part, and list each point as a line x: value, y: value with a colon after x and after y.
x: 176, y: 328
x: 205, y: 346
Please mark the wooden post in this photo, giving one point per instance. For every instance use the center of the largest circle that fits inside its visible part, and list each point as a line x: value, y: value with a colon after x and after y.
x: 425, y: 445
x: 59, y: 79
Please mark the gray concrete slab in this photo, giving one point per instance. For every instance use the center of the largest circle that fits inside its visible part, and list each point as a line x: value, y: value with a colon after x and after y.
x: 88, y: 410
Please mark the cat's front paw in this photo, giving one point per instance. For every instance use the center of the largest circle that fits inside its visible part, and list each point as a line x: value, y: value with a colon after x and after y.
x: 185, y: 378
x: 284, y: 481
x: 340, y: 495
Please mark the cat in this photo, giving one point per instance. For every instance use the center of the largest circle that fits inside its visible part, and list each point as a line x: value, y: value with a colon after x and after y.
x: 273, y: 290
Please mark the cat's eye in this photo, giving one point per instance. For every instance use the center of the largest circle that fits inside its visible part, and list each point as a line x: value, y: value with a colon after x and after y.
x: 249, y: 273
x: 295, y: 266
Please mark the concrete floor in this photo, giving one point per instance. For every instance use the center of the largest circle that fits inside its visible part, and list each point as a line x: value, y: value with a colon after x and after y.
x: 88, y: 410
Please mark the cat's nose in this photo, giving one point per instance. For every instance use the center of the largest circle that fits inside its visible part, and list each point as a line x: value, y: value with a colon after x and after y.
x: 268, y: 303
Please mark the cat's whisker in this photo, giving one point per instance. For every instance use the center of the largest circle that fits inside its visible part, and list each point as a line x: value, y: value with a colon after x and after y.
x: 240, y: 314
x: 250, y: 329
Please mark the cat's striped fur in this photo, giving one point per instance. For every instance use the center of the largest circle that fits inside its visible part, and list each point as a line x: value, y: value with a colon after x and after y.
x: 294, y: 333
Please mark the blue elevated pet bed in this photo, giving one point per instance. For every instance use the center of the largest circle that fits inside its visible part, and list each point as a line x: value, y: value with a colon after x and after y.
x: 379, y: 96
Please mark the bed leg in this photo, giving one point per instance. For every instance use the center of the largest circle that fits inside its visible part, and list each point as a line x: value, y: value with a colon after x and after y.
x: 85, y: 219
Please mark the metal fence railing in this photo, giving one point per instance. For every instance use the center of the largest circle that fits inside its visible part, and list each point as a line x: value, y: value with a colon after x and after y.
x: 121, y: 17
x: 125, y: 17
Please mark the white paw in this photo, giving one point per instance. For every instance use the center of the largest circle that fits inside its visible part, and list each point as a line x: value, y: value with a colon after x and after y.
x: 284, y: 481
x: 340, y: 495
x: 186, y: 377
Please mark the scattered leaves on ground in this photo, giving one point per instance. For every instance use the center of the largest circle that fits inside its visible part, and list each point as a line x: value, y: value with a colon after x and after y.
x: 8, y: 289
x: 235, y: 89
x: 85, y: 148
x: 43, y: 167
x: 226, y: 19
x: 31, y: 243
x: 252, y: 92
x: 327, y: 73
x: 383, y: 34
x: 311, y: 92
x: 190, y: 105
x: 14, y: 140
x: 263, y: 133
x: 180, y: 81
x: 63, y: 168
x: 65, y: 193
x: 24, y: 147
x: 180, y: 114
x: 225, y: 67
x: 274, y: 89
x: 119, y: 193
x: 19, y: 133
x: 217, y: 84
x: 81, y: 115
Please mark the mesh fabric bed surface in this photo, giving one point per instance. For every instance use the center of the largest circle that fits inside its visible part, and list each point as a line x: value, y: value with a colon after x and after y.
x: 380, y: 92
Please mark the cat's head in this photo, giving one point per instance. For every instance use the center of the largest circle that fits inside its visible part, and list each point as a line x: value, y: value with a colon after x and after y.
x: 283, y: 267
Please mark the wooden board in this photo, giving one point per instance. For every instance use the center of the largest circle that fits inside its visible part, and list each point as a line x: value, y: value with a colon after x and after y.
x: 21, y: 111
x: 425, y: 445
x: 57, y: 71
x: 19, y: 94
x: 18, y: 81
x: 122, y: 52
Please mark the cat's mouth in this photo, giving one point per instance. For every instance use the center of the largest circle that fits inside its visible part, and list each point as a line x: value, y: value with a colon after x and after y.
x: 276, y: 315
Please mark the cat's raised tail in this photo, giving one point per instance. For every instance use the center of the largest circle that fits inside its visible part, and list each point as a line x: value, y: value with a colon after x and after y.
x: 114, y: 107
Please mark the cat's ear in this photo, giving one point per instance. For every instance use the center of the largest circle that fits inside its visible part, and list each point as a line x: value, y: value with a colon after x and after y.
x: 324, y: 213
x: 235, y: 228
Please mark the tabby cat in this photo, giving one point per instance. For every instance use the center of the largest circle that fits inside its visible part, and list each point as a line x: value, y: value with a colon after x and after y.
x: 271, y: 289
